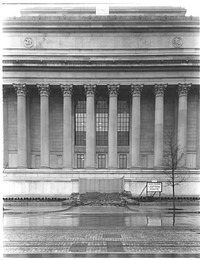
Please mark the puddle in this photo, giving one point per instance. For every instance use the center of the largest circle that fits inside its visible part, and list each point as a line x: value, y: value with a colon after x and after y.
x: 106, y: 217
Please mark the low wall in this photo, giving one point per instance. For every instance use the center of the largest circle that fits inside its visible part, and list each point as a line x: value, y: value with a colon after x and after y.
x: 60, y: 183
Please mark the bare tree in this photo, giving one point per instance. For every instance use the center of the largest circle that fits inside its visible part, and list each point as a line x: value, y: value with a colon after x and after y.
x: 173, y: 160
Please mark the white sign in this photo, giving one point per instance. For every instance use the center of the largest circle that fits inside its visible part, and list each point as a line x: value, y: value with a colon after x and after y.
x: 154, y: 186
x: 102, y: 10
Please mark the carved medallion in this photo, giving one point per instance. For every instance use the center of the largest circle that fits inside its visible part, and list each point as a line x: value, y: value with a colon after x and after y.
x: 28, y: 42
x: 177, y: 42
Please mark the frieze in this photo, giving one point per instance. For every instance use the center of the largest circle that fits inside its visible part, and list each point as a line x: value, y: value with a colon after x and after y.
x: 113, y: 89
x: 183, y: 89
x: 90, y: 89
x: 159, y: 89
x: 136, y: 89
x: 20, y: 89
x: 43, y: 89
x: 67, y: 89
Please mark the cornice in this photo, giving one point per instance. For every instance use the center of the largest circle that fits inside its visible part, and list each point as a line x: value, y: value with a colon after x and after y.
x: 91, y: 63
x: 95, y: 23
x: 146, y: 65
x: 114, y: 18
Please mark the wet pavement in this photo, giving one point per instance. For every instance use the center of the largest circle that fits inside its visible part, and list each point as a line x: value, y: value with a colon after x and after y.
x: 148, y: 230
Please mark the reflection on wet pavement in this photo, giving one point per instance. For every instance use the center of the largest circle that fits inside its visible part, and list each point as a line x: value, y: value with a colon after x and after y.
x: 120, y: 217
x: 145, y: 231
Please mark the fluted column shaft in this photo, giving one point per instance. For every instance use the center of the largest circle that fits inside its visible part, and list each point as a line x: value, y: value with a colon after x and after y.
x: 90, y: 126
x: 159, y: 124
x: 182, y: 121
x: 112, y: 129
x: 44, y: 124
x: 135, y: 125
x: 198, y: 148
x: 67, y: 125
x: 21, y: 125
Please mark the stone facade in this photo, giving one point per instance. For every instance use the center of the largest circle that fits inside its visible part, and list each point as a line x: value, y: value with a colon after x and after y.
x: 143, y: 76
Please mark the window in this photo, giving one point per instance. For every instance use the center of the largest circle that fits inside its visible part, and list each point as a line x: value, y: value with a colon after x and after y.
x: 123, y: 161
x: 122, y: 123
x: 102, y: 123
x: 80, y: 161
x: 80, y: 123
x: 101, y: 161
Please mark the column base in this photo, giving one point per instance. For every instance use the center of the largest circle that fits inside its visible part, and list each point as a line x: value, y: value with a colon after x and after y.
x: 158, y: 167
x: 67, y: 168
x: 183, y: 168
x: 135, y: 167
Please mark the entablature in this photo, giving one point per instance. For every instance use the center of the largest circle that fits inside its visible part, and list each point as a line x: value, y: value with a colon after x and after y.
x: 109, y: 23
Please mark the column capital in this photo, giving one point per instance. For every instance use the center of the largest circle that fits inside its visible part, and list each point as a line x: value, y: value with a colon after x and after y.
x: 159, y: 89
x: 183, y: 89
x: 136, y: 89
x: 20, y: 89
x: 67, y: 89
x: 113, y: 89
x: 43, y: 89
x: 90, y: 89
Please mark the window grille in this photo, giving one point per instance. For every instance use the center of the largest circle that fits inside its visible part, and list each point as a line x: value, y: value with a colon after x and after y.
x: 101, y: 161
x: 80, y: 161
x: 102, y: 123
x: 123, y: 161
x: 80, y: 123
x: 122, y: 123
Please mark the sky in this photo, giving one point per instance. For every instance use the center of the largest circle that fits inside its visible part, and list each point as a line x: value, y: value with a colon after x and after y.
x: 192, y: 6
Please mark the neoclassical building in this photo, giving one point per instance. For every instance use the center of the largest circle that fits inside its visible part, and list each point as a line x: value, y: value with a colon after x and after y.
x: 89, y: 100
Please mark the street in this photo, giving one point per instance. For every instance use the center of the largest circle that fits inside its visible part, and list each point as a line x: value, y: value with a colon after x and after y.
x: 148, y: 230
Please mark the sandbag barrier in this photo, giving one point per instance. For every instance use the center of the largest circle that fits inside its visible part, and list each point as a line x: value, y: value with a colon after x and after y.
x: 118, y: 199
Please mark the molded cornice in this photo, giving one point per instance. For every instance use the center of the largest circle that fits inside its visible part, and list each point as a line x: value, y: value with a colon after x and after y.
x: 93, y: 23
x: 128, y: 65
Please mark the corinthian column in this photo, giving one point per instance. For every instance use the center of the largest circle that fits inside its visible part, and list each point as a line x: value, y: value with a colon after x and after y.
x: 21, y: 125
x: 135, y: 125
x: 198, y: 146
x: 182, y: 121
x: 90, y: 126
x: 67, y: 125
x: 44, y: 124
x: 159, y: 122
x: 112, y: 131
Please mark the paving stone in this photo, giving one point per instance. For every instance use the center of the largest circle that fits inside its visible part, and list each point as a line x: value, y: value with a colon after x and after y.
x: 78, y: 247
x: 111, y: 236
x: 115, y: 246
